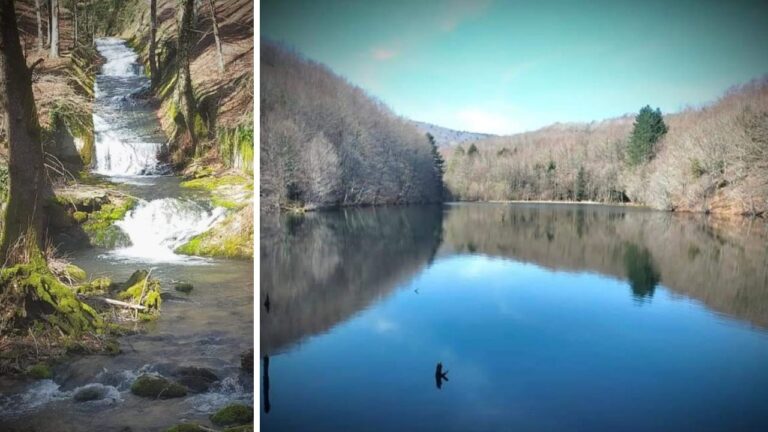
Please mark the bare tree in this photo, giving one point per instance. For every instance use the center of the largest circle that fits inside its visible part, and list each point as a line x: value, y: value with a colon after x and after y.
x: 153, y: 44
x: 184, y: 97
x: 212, y: 5
x: 39, y: 26
x: 23, y: 228
x: 54, y: 40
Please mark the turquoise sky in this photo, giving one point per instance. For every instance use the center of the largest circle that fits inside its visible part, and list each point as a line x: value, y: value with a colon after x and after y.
x: 505, y: 66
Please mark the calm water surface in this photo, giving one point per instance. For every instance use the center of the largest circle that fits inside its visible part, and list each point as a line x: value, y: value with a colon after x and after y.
x: 547, y: 318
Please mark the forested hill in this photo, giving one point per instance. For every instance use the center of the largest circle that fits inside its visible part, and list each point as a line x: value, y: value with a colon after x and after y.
x: 325, y: 142
x: 708, y: 159
x: 445, y: 137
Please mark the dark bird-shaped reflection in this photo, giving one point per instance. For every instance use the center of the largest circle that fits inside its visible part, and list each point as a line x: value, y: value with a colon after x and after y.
x: 265, y: 382
x: 440, y: 376
x: 266, y: 303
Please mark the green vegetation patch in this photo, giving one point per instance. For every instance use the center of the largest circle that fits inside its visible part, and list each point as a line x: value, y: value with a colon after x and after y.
x: 233, y: 414
x: 236, y: 147
x: 75, y: 273
x: 143, y: 290
x: 40, y: 371
x: 62, y: 309
x: 100, y: 225
x: 97, y: 286
x: 212, y: 183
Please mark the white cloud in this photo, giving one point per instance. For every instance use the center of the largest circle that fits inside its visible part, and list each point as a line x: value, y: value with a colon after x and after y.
x: 479, y: 120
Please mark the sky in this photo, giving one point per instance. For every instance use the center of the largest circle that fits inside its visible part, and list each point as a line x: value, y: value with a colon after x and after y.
x: 506, y: 66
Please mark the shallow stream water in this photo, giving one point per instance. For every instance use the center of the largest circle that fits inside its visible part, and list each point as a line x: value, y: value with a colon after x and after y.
x: 208, y: 328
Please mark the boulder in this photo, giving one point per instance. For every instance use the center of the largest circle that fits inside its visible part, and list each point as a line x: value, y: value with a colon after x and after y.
x: 157, y: 387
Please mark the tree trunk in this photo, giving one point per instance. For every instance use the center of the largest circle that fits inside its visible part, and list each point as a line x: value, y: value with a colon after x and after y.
x: 54, y: 53
x: 39, y: 26
x: 184, y: 96
x: 212, y: 5
x: 48, y: 23
x: 23, y: 228
x: 74, y: 18
x: 153, y: 44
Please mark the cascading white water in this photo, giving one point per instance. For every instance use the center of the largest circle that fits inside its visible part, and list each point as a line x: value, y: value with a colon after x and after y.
x: 119, y: 148
x: 127, y: 145
x: 158, y: 227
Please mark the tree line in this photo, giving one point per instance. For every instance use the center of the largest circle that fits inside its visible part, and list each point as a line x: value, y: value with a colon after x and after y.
x: 713, y: 158
x: 327, y: 143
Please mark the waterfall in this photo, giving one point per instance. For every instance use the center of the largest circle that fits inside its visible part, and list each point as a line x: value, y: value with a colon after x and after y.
x: 127, y: 144
x: 125, y: 139
x: 159, y: 226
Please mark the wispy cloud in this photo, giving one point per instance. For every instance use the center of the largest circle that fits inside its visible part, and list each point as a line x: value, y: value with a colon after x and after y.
x: 384, y: 54
x: 480, y: 120
x: 456, y: 11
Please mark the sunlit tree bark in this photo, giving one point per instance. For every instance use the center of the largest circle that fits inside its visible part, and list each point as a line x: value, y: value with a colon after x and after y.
x: 23, y: 227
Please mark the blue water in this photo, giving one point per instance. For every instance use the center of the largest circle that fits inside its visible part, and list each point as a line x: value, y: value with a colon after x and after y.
x: 527, y: 345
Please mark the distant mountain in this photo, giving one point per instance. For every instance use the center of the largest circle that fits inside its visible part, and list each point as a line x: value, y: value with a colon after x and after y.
x: 445, y: 137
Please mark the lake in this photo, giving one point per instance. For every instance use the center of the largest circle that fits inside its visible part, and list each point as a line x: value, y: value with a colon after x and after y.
x: 546, y: 317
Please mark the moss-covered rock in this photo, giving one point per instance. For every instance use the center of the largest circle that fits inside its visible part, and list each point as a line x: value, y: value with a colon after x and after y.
x: 89, y: 393
x: 143, y: 290
x: 233, y: 414
x: 157, y: 387
x: 100, y: 225
x: 40, y: 371
x: 80, y: 216
x: 97, y: 286
x: 184, y: 287
x: 75, y: 273
x: 46, y: 298
x: 231, y: 238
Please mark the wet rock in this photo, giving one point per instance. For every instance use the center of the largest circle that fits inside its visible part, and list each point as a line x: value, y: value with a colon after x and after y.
x: 246, y: 361
x: 232, y: 415
x: 89, y: 393
x: 184, y: 287
x: 157, y: 387
x: 196, y: 379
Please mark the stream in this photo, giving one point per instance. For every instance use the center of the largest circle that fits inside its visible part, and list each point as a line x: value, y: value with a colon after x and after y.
x: 209, y: 328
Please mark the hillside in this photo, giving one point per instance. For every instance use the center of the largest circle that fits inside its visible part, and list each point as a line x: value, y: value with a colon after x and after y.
x: 712, y: 159
x: 325, y: 142
x: 445, y: 137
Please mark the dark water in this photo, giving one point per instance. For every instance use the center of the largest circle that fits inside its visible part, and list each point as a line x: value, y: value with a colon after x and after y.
x: 546, y: 317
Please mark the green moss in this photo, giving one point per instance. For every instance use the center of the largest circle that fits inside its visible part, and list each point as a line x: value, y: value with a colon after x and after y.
x: 75, y: 273
x: 40, y: 371
x: 211, y: 183
x: 187, y: 427
x: 80, y: 216
x: 100, y: 225
x: 157, y: 387
x: 226, y: 203
x: 36, y: 282
x: 97, y: 286
x: 236, y: 147
x: 233, y: 414
x: 143, y: 290
x: 206, y: 244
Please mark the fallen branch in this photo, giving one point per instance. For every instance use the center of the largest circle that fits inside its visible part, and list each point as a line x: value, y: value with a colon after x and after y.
x: 121, y: 303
